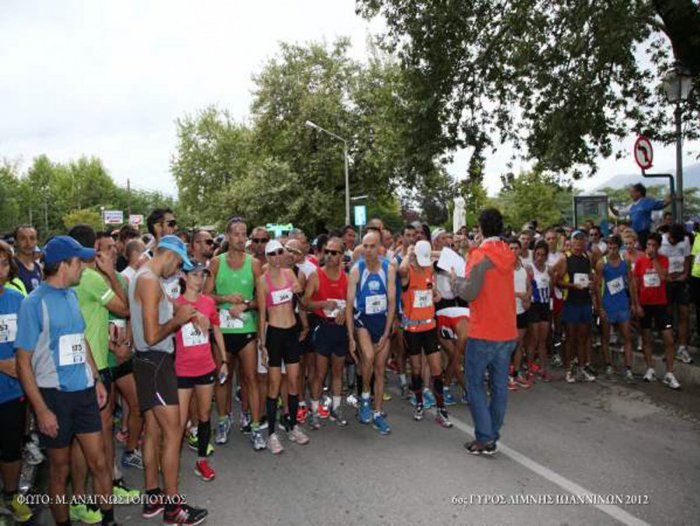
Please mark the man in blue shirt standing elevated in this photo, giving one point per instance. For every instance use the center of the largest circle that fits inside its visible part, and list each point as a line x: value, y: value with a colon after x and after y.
x: 640, y: 211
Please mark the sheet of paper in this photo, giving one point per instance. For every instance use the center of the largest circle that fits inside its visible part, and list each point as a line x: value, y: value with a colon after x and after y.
x: 449, y: 259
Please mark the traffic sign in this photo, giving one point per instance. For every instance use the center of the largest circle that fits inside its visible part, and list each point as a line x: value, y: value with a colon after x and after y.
x: 643, y: 152
x: 136, y: 219
x: 360, y: 215
x: 113, y: 217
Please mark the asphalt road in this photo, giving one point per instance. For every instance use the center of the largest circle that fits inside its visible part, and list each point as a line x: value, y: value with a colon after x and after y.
x: 635, y: 448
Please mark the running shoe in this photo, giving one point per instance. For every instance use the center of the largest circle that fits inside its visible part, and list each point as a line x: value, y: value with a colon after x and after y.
x: 302, y: 413
x: 263, y: 423
x: 33, y: 454
x: 204, y: 471
x: 191, y: 438
x: 650, y: 375
x: 418, y: 413
x: 19, y: 509
x: 274, y: 444
x: 298, y: 436
x: 670, y: 381
x: 386, y: 396
x: 522, y: 381
x: 352, y: 400
x: 195, y: 447
x: 609, y: 370
x: 257, y: 440
x: 570, y: 378
x: 477, y: 448
x: 184, y: 514
x: 83, y: 513
x: 364, y: 413
x: 222, y: 431
x: 405, y: 392
x: 447, y: 396
x: 534, y: 367
x: 315, y: 421
x: 245, y: 422
x: 153, y: 505
x: 428, y: 398
x: 323, y: 411
x: 132, y: 460
x: 338, y: 417
x: 380, y: 424
x: 512, y: 384
x: 628, y: 375
x: 124, y: 493
x: 683, y: 355
x: 586, y: 374
x: 465, y: 398
x: 443, y: 419
x: 555, y: 361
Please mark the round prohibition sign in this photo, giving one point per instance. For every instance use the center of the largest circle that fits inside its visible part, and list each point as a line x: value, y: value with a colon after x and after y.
x: 643, y: 152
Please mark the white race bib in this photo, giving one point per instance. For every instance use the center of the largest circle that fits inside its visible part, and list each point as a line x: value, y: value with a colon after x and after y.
x: 422, y: 298
x: 229, y: 322
x: 8, y: 328
x: 542, y: 282
x: 581, y: 280
x: 282, y: 296
x: 192, y: 336
x: 616, y: 285
x: 652, y: 280
x: 332, y: 313
x: 71, y: 349
x: 375, y: 304
x: 676, y: 264
x: 172, y: 288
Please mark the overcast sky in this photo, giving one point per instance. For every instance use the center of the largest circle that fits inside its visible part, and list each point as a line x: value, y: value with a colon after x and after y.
x: 109, y: 78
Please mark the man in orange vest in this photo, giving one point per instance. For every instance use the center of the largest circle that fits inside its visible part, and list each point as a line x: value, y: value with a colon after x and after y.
x: 490, y: 291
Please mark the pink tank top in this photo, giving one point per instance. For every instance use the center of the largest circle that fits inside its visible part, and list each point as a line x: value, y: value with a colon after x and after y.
x: 277, y: 296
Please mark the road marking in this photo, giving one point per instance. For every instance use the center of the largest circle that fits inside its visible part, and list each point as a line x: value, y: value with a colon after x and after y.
x: 614, y: 511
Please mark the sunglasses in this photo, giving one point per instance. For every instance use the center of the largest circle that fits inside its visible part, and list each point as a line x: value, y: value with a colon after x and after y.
x: 170, y: 223
x: 278, y: 252
x: 259, y: 240
x: 333, y: 252
x: 236, y: 219
x: 208, y: 242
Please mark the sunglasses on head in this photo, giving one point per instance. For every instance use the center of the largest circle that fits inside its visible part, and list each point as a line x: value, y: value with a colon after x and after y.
x: 294, y: 251
x: 259, y: 240
x: 332, y: 252
x: 278, y: 252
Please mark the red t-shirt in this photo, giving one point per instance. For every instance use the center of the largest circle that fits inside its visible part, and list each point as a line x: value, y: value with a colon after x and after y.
x: 652, y: 290
x: 192, y: 348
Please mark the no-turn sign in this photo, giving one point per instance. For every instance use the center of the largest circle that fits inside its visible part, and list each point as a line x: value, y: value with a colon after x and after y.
x: 643, y: 152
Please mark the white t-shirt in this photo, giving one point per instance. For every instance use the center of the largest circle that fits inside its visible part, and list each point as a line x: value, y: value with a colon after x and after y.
x: 307, y: 268
x: 676, y: 254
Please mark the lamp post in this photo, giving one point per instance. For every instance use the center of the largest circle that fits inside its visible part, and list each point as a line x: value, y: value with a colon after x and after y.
x: 678, y: 84
x: 315, y: 126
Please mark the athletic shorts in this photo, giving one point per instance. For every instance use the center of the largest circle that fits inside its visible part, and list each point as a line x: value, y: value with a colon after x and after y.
x: 262, y: 367
x: 188, y: 382
x: 656, y: 314
x: 330, y: 339
x: 577, y: 313
x: 107, y: 379
x: 13, y: 415
x: 446, y: 304
x: 448, y: 319
x: 282, y: 344
x: 417, y: 342
x: 618, y: 316
x: 523, y: 320
x: 122, y: 370
x: 156, y: 382
x: 235, y: 343
x: 76, y: 414
x: 677, y: 293
x: 374, y: 324
x: 539, y: 312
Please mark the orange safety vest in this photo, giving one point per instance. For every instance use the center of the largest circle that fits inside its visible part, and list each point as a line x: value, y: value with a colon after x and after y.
x: 417, y: 301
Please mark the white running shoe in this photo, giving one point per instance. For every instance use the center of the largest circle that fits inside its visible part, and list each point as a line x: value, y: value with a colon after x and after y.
x: 352, y: 400
x: 650, y: 375
x: 570, y: 378
x: 298, y: 436
x: 682, y: 354
x: 670, y: 381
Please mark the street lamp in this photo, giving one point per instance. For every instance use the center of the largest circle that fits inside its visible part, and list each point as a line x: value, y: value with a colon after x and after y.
x: 678, y: 84
x: 315, y: 126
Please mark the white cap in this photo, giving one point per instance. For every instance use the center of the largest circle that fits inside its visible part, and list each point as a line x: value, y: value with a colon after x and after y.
x: 273, y: 246
x: 423, y: 250
x: 436, y: 233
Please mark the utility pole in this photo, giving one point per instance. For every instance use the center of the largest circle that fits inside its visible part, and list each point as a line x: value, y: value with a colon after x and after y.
x: 128, y: 198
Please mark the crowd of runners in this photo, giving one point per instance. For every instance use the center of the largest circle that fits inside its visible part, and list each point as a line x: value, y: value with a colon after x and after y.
x: 116, y: 346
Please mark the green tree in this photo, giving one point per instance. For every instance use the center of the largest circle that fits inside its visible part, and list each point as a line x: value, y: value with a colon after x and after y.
x: 10, y: 200
x: 559, y: 80
x: 83, y: 217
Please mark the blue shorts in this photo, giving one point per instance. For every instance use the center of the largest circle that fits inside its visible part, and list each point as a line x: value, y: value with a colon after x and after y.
x: 374, y: 324
x: 330, y: 338
x: 618, y: 315
x: 577, y: 313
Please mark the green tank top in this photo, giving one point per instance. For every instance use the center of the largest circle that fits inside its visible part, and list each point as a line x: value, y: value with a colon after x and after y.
x: 239, y: 281
x: 695, y: 252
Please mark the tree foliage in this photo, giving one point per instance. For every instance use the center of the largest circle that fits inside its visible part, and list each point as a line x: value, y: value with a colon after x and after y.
x: 560, y: 80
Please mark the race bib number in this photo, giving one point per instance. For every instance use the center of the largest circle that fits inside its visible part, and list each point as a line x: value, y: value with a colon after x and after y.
x: 172, y: 289
x: 581, y: 280
x: 332, y: 313
x: 229, y: 322
x: 616, y: 286
x: 375, y: 304
x: 282, y: 296
x: 192, y: 336
x: 676, y: 265
x: 652, y: 280
x: 422, y: 299
x: 8, y: 328
x: 71, y: 349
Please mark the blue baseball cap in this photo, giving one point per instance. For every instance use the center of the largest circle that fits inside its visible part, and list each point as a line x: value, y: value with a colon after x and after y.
x: 63, y: 248
x: 176, y: 245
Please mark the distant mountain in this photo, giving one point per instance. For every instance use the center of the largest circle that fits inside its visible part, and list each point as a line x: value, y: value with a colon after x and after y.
x: 691, y: 178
